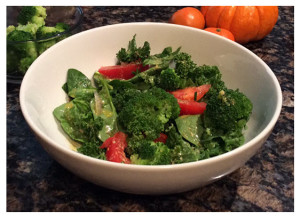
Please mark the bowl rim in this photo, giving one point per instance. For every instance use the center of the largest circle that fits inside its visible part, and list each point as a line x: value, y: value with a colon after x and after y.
x: 78, y: 8
x: 76, y: 155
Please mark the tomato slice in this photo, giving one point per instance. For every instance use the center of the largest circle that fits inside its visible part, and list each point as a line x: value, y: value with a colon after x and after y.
x: 162, y: 138
x: 115, y: 147
x: 121, y: 71
x: 190, y: 107
x: 189, y: 92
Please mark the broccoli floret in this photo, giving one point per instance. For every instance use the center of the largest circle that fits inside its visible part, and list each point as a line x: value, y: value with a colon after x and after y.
x: 212, y: 147
x: 151, y: 153
x: 44, y: 45
x: 20, y: 55
x: 169, y: 80
x: 227, y: 109
x: 122, y: 92
x: 185, y: 72
x: 47, y: 32
x: 19, y: 35
x: 23, y: 49
x: 25, y: 63
x: 208, y: 75
x: 9, y: 29
x: 148, y: 112
x: 31, y: 21
x: 30, y: 28
x: 188, y: 74
x: 184, y: 64
x: 42, y: 33
x: 134, y: 53
x: 92, y: 149
x: 30, y: 50
x: 32, y: 14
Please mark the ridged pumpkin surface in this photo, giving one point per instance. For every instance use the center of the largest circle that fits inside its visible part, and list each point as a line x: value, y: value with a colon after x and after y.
x: 246, y: 23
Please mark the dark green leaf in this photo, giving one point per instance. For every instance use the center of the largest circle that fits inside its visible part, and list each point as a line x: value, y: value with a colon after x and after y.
x: 78, y: 85
x: 77, y: 120
x: 107, y: 112
x: 189, y: 126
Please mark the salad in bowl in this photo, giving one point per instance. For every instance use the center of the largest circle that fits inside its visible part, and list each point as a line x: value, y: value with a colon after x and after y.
x: 153, y: 109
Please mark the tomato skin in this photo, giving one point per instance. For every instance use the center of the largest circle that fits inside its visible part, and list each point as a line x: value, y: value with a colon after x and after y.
x: 188, y: 16
x: 190, y: 107
x: 189, y: 92
x: 186, y: 99
x: 124, y: 72
x: 162, y: 138
x: 221, y: 32
x: 115, y: 147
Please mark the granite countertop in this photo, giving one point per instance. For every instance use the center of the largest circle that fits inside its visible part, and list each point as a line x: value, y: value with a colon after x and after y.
x: 35, y: 182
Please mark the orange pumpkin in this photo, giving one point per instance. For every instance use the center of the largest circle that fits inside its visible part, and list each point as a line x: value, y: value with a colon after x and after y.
x: 246, y: 23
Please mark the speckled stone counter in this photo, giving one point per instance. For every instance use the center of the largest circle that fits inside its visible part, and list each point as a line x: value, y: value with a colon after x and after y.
x: 35, y: 182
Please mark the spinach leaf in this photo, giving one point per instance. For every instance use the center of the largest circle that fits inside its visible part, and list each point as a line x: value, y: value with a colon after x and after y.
x: 86, y: 93
x: 162, y: 60
x: 77, y: 120
x: 78, y: 85
x: 182, y: 151
x: 107, y: 110
x: 189, y: 126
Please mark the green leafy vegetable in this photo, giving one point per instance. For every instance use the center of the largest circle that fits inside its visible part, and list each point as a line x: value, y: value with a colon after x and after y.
x: 106, y: 109
x: 151, y: 153
x: 133, y: 53
x: 78, y: 85
x: 77, y: 120
x: 190, y: 127
x: 182, y: 151
x: 227, y: 109
x: 122, y: 91
x: 148, y: 112
x: 92, y: 149
x: 147, y: 115
x: 157, y: 63
x: 30, y: 28
x: 32, y: 14
x: 168, y: 80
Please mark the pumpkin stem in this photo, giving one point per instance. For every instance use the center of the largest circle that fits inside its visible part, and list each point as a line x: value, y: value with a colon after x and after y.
x: 218, y: 30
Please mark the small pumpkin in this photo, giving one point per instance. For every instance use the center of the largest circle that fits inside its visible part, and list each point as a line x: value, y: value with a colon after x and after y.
x: 246, y: 23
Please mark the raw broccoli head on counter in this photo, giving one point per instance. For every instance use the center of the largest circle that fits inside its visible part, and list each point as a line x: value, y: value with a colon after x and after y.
x: 29, y: 35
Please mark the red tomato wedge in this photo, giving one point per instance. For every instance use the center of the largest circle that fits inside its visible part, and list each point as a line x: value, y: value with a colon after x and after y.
x: 190, y: 107
x: 121, y: 71
x: 115, y: 147
x: 162, y: 138
x: 189, y: 92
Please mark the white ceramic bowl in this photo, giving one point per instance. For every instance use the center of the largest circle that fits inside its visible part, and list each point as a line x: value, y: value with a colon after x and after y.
x: 41, y: 92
